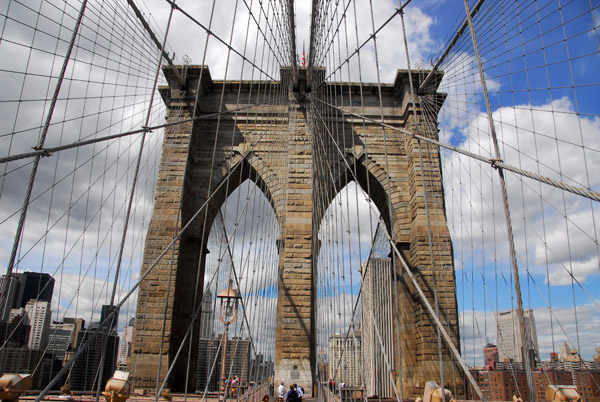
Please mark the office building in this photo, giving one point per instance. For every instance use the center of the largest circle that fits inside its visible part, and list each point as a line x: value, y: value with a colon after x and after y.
x: 209, y: 365
x: 237, y: 362
x: 19, y: 360
x: 345, y: 359
x: 377, y: 315
x: 106, y: 310
x: 84, y: 375
x: 260, y: 369
x: 568, y: 354
x: 125, y: 345
x: 78, y: 324
x: 206, y: 315
x: 490, y: 356
x: 7, y: 298
x: 38, y: 318
x: 509, y: 335
x: 60, y: 339
x: 23, y: 287
x: 15, y: 332
x: 15, y: 356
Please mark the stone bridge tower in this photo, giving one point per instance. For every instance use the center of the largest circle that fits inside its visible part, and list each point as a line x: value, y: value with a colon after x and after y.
x: 201, y: 176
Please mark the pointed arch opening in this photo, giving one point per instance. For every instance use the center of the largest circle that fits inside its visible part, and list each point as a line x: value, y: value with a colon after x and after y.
x: 241, y: 247
x: 354, y: 326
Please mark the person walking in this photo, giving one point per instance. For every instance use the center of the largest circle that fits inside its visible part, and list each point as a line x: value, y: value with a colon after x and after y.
x: 299, y: 391
x: 280, y: 391
x: 292, y: 395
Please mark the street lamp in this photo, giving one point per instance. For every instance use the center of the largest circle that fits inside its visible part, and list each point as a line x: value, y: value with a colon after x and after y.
x: 230, y: 298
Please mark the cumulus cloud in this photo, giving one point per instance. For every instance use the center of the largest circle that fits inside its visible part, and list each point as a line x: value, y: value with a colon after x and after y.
x: 256, y: 44
x: 83, y: 297
x: 350, y: 219
x: 386, y: 52
x: 552, y: 228
x: 75, y: 217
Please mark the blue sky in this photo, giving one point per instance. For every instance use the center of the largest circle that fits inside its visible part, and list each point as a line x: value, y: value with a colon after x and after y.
x: 544, y: 100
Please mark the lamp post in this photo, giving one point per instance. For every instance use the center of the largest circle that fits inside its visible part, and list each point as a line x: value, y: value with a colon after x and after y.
x: 230, y: 298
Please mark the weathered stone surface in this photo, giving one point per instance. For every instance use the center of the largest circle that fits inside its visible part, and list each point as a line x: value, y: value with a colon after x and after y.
x: 392, y: 167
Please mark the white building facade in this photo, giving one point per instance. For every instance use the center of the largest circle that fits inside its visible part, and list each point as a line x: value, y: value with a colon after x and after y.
x: 345, y: 359
x: 38, y: 317
x: 377, y: 317
x: 509, y: 335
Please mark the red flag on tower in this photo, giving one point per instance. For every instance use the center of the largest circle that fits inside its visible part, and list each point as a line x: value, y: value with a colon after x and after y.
x: 303, y: 56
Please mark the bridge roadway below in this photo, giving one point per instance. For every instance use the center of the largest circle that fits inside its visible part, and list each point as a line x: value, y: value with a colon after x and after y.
x: 210, y: 398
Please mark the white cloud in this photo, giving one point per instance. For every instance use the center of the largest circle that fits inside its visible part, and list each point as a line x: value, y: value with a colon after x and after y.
x: 83, y: 297
x: 75, y: 216
x: 540, y: 235
x: 391, y: 52
x: 561, y: 229
x: 391, y: 55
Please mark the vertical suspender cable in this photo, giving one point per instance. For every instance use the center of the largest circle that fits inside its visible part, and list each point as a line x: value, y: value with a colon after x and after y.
x: 426, y: 203
x: 176, y: 239
x: 513, y: 257
x: 129, y: 207
x: 36, y: 161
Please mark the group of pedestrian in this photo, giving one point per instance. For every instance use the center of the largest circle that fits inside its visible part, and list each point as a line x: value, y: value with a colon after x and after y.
x: 231, y: 385
x: 295, y: 393
x: 332, y: 385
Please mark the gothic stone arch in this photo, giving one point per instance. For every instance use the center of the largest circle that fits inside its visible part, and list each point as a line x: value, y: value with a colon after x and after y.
x: 187, y: 173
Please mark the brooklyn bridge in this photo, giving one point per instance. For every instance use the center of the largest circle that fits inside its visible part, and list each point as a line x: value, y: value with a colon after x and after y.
x: 371, y: 200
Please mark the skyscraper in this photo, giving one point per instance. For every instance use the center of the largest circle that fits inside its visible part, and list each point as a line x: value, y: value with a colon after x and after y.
x: 60, y: 339
x: 125, y: 344
x: 237, y: 362
x: 509, y: 335
x: 23, y: 287
x: 345, y: 358
x: 568, y: 354
x: 38, y: 317
x: 7, y: 299
x: 84, y: 375
x: 78, y: 323
x: 209, y: 365
x: 377, y: 317
x: 16, y: 331
x: 35, y: 286
x: 206, y: 316
x: 106, y: 310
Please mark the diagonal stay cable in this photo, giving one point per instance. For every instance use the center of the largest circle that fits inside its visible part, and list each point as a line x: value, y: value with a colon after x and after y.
x: 51, y: 150
x: 143, y: 277
x: 209, y: 32
x: 161, y: 47
x: 371, y: 37
x: 133, y: 190
x: 42, y: 139
x: 426, y: 302
x: 435, y: 317
x: 452, y: 43
x: 108, y: 319
x: 495, y: 163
